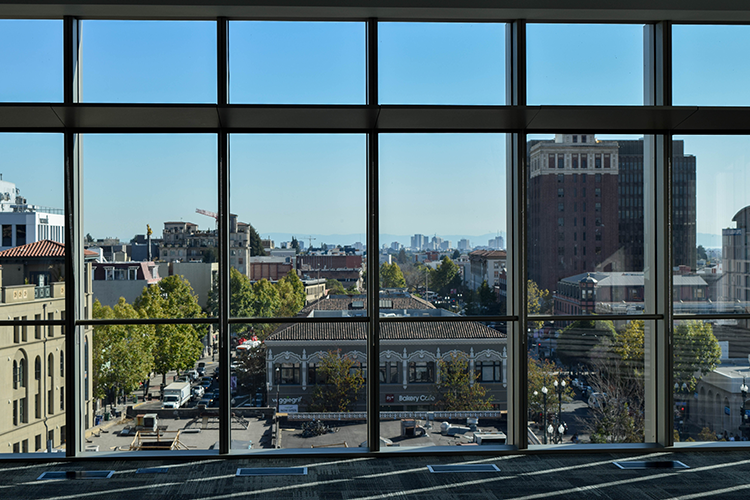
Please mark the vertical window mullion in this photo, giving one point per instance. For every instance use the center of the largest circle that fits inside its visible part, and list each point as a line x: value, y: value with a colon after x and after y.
x: 74, y: 297
x: 658, y: 240
x: 222, y: 96
x: 373, y: 244
x: 516, y: 224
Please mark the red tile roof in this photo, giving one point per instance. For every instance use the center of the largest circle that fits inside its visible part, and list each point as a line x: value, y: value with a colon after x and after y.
x: 422, y: 330
x: 44, y: 248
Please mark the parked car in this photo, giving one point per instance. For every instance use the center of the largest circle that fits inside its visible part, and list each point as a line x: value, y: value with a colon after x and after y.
x: 198, y: 392
x: 597, y: 399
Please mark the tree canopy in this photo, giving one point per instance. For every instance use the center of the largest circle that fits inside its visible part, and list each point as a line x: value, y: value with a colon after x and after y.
x: 122, y: 354
x: 176, y: 346
x: 446, y: 276
x: 339, y: 381
x: 391, y: 276
x: 458, y: 388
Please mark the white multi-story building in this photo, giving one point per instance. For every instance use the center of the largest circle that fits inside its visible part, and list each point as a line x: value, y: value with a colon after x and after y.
x: 21, y: 223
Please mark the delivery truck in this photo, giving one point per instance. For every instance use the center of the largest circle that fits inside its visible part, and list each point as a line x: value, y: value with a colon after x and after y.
x: 176, y: 394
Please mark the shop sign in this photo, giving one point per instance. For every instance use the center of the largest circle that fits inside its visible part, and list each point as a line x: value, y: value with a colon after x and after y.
x: 409, y: 398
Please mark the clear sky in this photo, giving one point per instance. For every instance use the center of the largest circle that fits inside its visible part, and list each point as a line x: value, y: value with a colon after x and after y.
x: 444, y: 184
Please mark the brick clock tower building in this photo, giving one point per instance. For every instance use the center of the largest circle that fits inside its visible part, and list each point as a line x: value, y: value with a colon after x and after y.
x: 573, y: 214
x: 586, y: 207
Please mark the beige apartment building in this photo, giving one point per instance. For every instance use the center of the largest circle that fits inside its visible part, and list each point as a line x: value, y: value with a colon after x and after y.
x: 32, y: 287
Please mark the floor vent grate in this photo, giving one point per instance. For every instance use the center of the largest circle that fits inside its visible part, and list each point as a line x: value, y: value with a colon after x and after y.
x: 651, y: 464
x: 77, y: 474
x: 463, y: 468
x: 273, y: 471
x: 153, y: 470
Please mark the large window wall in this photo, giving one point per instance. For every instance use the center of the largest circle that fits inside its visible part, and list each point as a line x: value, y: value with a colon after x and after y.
x: 545, y: 234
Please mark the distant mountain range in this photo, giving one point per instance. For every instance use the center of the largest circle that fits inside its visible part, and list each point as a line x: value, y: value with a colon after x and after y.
x: 385, y: 238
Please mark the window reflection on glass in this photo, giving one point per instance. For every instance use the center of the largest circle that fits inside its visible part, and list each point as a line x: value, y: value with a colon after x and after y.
x: 586, y: 382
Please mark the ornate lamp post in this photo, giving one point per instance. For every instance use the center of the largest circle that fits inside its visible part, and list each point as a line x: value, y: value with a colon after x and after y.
x: 544, y: 417
x: 559, y: 389
x: 744, y: 420
x: 278, y: 381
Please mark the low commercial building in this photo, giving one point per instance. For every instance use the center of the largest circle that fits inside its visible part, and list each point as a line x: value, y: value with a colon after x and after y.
x: 409, y: 357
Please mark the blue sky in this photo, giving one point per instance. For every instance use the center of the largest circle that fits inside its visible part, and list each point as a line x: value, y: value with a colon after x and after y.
x: 315, y: 184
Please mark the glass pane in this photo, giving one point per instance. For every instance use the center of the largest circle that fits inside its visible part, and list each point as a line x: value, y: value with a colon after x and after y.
x: 317, y: 385
x: 586, y: 233
x: 32, y: 257
x: 591, y: 64
x: 142, y: 370
x: 141, y: 184
x: 289, y: 250
x: 586, y: 382
x: 32, y: 61
x: 704, y: 65
x: 710, y: 357
x: 441, y: 63
x: 149, y: 61
x: 436, y: 246
x: 710, y: 197
x: 297, y: 63
x: 442, y: 383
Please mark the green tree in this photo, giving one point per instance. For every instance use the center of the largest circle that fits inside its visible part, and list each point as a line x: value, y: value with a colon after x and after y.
x: 251, y: 369
x: 256, y: 246
x: 456, y: 254
x: 391, y: 276
x: 446, y: 276
x: 335, y: 287
x: 618, y: 414
x: 295, y: 244
x: 696, y: 350
x: 458, y: 388
x: 339, y: 383
x: 121, y: 354
x: 536, y: 301
x: 701, y: 253
x: 176, y: 346
x: 696, y: 353
x: 291, y: 295
x: 402, y: 258
x: 210, y: 254
x: 487, y: 299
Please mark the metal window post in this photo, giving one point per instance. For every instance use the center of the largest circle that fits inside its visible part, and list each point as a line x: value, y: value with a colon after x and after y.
x: 75, y: 274
x: 222, y: 91
x: 657, y: 157
x: 373, y: 246
x: 516, y: 224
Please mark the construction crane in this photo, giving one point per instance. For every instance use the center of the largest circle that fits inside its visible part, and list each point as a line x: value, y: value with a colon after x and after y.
x: 309, y: 242
x: 206, y: 212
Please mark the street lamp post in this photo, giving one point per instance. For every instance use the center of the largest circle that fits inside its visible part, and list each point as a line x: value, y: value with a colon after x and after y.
x: 544, y: 417
x: 278, y: 380
x: 559, y: 389
x: 744, y: 424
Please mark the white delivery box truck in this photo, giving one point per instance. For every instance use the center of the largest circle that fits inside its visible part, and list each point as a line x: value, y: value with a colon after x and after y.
x: 176, y: 394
